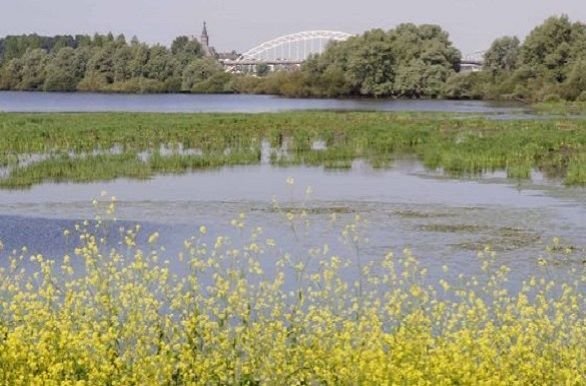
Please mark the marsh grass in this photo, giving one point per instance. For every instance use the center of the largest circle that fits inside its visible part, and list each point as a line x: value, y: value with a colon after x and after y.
x: 417, y: 214
x: 561, y: 108
x: 458, y: 146
x: 503, y: 239
x: 452, y: 228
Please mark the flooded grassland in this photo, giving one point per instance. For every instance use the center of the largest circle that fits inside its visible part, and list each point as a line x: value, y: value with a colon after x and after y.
x: 291, y: 248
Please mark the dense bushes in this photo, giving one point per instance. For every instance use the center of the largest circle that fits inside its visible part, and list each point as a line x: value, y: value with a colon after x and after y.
x: 106, y: 63
x: 409, y: 62
x: 549, y: 66
x: 419, y: 62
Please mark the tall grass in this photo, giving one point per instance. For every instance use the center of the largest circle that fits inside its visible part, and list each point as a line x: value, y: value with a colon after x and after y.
x: 458, y: 145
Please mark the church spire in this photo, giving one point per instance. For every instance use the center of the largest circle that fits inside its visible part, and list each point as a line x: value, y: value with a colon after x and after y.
x: 205, y: 39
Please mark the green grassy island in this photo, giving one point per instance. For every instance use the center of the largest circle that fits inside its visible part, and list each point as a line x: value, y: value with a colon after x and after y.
x: 102, y: 146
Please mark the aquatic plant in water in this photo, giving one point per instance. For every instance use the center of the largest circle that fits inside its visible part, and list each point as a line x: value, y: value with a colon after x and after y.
x: 68, y: 147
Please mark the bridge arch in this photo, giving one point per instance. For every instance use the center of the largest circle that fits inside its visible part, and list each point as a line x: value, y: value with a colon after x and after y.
x: 294, y: 47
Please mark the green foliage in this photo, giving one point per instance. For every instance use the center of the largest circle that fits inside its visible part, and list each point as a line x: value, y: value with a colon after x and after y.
x: 552, y: 45
x: 32, y: 70
x: 370, y: 64
x: 198, y: 72
x: 503, y: 55
x: 66, y: 69
x: 160, y: 65
x: 13, y: 47
x: 185, y: 50
x: 581, y: 97
x: 548, y: 66
x: 98, y: 63
x: 219, y: 82
x: 575, y: 84
x: 262, y: 69
x: 78, y: 147
x: 463, y: 86
x: 409, y: 61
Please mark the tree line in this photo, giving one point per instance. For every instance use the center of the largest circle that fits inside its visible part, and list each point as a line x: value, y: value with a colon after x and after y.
x: 106, y: 63
x: 549, y: 65
x: 409, y: 61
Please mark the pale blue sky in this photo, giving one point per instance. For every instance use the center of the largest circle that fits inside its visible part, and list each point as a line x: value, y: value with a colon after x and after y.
x: 241, y: 24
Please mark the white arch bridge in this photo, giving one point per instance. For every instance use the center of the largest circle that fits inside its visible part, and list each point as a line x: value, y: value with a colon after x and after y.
x: 292, y: 50
x: 285, y: 51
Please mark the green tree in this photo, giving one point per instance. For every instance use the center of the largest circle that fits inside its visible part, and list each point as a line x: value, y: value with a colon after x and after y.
x: 186, y: 49
x: 198, y: 71
x: 262, y: 69
x: 65, y: 70
x: 333, y: 82
x: 503, y: 55
x: 409, y: 61
x: 160, y: 64
x: 550, y: 46
x: 100, y: 69
x: 371, y: 68
x: 575, y: 84
x: 11, y: 74
x: 140, y: 57
x: 33, y: 70
x: 464, y: 86
x: 121, y: 63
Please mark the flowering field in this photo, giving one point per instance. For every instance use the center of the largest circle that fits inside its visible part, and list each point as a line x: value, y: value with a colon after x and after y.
x: 118, y: 310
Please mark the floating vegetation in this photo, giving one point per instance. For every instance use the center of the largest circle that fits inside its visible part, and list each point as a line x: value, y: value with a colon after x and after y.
x: 313, y: 210
x: 457, y: 146
x: 503, y: 239
x: 452, y: 228
x: 410, y: 213
x: 561, y: 248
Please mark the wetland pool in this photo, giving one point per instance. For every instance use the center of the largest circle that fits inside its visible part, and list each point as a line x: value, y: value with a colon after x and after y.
x: 443, y: 221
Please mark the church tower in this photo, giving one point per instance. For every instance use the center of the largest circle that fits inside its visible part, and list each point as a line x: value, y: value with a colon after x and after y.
x: 205, y: 39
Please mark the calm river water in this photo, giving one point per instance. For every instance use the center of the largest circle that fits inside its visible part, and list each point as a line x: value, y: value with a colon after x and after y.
x: 186, y: 103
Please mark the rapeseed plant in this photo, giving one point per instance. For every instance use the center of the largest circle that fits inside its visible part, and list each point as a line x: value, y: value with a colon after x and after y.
x: 126, y: 315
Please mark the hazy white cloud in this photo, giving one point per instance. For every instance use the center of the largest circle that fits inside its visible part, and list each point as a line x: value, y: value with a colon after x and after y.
x: 241, y: 24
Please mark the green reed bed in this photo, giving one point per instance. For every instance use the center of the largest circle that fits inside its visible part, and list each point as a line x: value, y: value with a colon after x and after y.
x: 561, y: 108
x: 107, y: 167
x: 101, y: 146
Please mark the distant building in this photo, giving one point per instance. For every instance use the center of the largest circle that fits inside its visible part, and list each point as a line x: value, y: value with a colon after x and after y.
x: 228, y: 55
x: 470, y: 67
x: 204, y: 40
